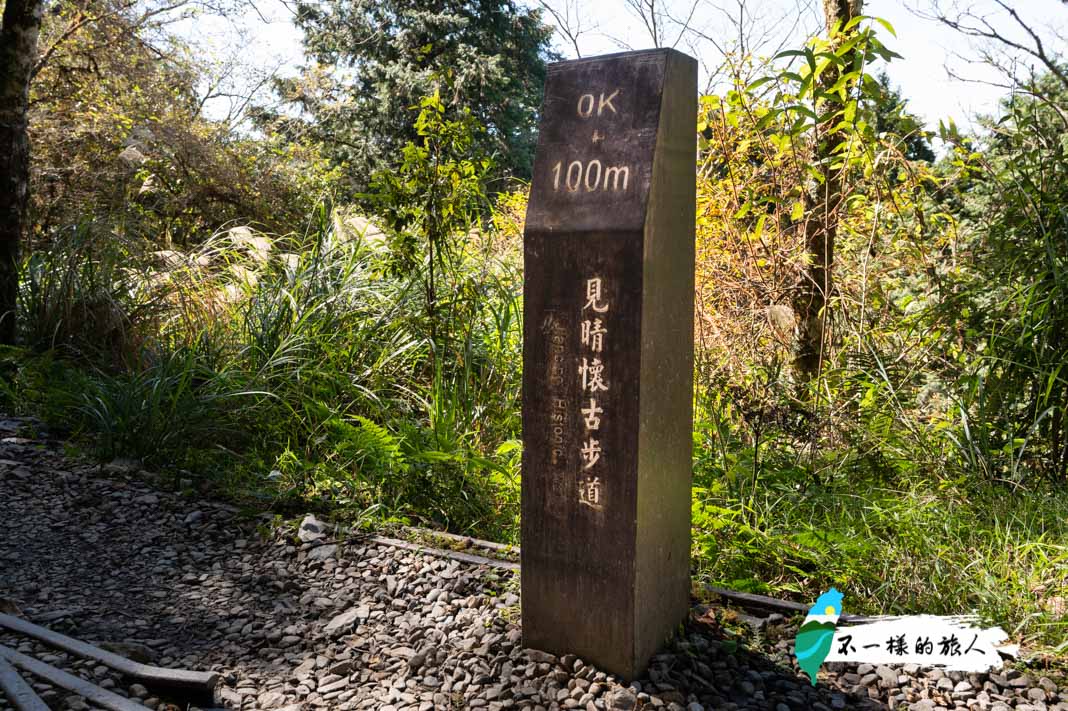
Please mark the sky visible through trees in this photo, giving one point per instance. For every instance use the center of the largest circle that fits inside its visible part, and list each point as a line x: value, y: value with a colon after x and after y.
x: 941, y: 74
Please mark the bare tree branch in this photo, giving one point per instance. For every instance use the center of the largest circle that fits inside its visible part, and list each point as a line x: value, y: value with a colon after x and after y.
x: 684, y: 26
x: 649, y: 13
x: 981, y: 27
x: 568, y: 23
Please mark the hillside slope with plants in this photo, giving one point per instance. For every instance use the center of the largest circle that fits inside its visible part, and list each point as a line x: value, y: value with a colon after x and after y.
x: 881, y: 334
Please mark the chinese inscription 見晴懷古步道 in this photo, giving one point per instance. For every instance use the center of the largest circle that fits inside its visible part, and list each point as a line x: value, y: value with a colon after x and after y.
x: 592, y: 332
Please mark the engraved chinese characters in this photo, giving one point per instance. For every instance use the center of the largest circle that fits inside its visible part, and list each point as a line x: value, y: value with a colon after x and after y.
x: 608, y: 359
x: 593, y: 382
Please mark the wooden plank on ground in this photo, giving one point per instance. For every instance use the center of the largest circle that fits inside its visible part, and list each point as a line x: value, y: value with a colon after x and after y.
x: 466, y: 540
x: 18, y: 691
x: 760, y: 602
x: 751, y: 601
x: 443, y: 553
x: 60, y: 678
x: 178, y: 679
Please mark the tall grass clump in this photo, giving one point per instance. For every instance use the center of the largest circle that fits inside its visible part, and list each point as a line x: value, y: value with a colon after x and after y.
x: 89, y: 293
x: 296, y: 371
x: 364, y: 365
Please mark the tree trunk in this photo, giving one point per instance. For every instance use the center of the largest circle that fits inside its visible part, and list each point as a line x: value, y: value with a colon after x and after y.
x: 821, y: 228
x: 18, y: 52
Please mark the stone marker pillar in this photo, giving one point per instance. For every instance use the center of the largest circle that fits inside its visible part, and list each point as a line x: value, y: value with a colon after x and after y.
x: 608, y: 359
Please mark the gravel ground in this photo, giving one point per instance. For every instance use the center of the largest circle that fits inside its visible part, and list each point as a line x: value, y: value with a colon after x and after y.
x: 294, y: 621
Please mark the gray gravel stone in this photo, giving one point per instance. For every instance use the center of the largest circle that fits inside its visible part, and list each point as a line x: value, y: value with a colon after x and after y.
x: 310, y: 625
x: 325, y: 552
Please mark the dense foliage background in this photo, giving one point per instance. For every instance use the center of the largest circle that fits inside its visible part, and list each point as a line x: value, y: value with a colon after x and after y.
x: 320, y: 309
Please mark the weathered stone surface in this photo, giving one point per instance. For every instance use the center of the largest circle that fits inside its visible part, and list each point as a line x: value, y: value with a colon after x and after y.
x: 323, y: 552
x: 608, y: 359
x: 311, y: 529
x: 346, y: 620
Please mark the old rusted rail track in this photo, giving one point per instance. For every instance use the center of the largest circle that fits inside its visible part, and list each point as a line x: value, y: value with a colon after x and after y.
x: 193, y: 683
x: 65, y: 680
x: 17, y: 690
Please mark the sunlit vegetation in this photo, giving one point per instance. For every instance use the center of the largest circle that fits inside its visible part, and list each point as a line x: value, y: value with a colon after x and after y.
x: 299, y: 322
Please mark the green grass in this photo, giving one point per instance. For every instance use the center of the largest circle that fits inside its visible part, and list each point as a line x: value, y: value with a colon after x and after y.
x: 996, y: 551
x: 301, y: 379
